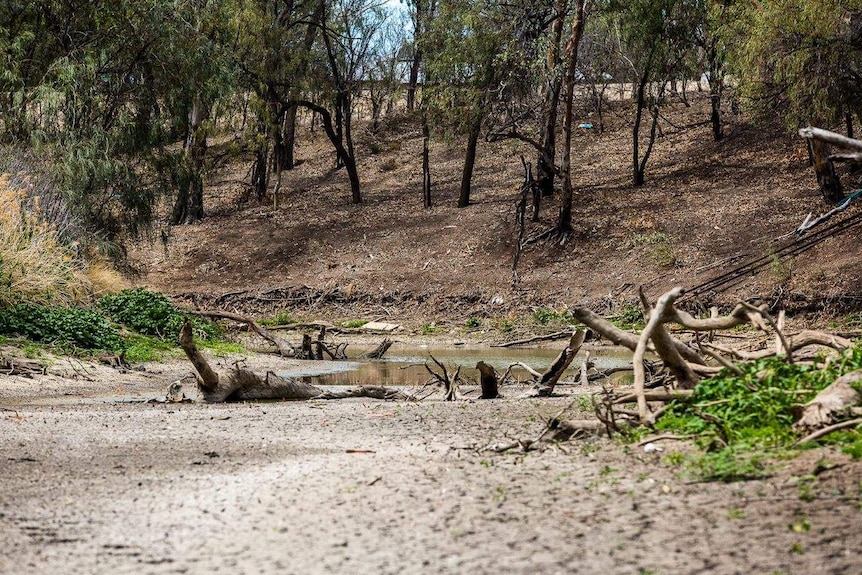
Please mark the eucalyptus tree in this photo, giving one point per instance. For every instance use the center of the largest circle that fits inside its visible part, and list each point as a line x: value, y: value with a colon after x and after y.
x: 273, y: 52
x: 103, y: 88
x: 656, y: 39
x: 798, y: 60
x: 463, y: 45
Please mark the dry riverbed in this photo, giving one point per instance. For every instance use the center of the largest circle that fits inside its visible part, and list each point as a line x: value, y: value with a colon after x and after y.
x: 90, y: 483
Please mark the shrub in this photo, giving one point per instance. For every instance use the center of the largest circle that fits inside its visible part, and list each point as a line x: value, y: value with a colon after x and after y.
x: 35, y: 266
x: 150, y: 313
x: 63, y: 326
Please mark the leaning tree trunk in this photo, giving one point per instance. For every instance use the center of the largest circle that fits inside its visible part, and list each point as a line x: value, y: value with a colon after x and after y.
x: 470, y: 160
x: 346, y: 158
x: 564, y: 222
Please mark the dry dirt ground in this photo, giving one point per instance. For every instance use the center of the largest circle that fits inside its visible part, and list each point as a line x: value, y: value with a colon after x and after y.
x: 91, y: 483
x: 703, y: 202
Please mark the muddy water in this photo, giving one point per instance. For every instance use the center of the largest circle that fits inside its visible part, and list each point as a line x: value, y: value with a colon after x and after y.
x: 406, y: 365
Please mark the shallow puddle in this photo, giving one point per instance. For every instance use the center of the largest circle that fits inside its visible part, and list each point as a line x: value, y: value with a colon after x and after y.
x: 405, y: 366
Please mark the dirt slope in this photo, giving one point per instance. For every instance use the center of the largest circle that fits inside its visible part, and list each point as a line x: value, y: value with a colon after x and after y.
x: 703, y: 202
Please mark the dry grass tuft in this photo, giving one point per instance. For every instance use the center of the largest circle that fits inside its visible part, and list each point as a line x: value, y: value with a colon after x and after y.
x: 35, y: 265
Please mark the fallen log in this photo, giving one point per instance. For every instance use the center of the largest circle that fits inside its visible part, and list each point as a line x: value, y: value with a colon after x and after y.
x: 21, y: 367
x: 550, y: 337
x: 284, y: 348
x: 240, y: 384
x: 831, y: 404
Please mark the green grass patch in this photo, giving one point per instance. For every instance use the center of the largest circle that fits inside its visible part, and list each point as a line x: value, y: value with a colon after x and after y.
x: 738, y: 419
x: 281, y: 318
x: 631, y: 318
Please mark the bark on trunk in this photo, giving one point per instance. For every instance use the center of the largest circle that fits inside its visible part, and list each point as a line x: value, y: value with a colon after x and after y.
x: 470, y: 160
x: 564, y: 222
x: 488, y: 381
x: 189, y: 206
x: 426, y: 164
x: 548, y: 154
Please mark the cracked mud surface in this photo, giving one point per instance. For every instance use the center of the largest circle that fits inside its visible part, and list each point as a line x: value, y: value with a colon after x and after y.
x: 371, y: 487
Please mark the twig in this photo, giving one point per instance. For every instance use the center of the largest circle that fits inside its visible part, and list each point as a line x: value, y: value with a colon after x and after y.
x: 827, y: 430
x: 550, y: 337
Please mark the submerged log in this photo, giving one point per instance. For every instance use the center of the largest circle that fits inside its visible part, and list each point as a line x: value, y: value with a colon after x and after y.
x: 241, y: 384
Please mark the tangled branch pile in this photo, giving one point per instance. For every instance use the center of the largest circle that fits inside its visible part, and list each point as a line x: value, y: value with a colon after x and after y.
x: 773, y: 393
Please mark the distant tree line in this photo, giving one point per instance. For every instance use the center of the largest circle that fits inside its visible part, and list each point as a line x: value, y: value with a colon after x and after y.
x: 123, y: 97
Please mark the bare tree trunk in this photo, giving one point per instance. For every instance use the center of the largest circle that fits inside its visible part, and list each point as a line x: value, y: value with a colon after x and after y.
x: 413, y: 80
x: 470, y: 160
x: 564, y: 222
x: 638, y: 176
x: 347, y: 159
x: 289, y: 138
x: 547, y: 156
x: 189, y: 206
x: 426, y: 164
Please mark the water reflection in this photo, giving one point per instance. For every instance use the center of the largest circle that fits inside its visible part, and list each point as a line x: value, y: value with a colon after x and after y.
x: 405, y: 365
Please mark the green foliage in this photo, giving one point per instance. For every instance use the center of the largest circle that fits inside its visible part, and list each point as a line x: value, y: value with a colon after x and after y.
x: 221, y: 348
x: 428, y: 328
x: 736, y: 417
x: 630, y: 318
x: 796, y: 58
x: 727, y: 465
x: 352, y: 323
x: 473, y: 322
x: 283, y: 317
x: 63, y: 326
x: 544, y: 316
x: 150, y: 313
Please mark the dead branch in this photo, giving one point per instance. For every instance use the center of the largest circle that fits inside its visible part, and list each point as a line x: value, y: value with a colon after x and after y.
x: 545, y: 386
x: 450, y: 384
x: 663, y: 395
x: 768, y: 319
x: 523, y: 366
x: 21, y: 367
x: 620, y: 337
x: 379, y: 351
x: 831, y: 138
x: 284, y: 348
x: 550, y: 337
x: 831, y: 429
x: 640, y: 377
